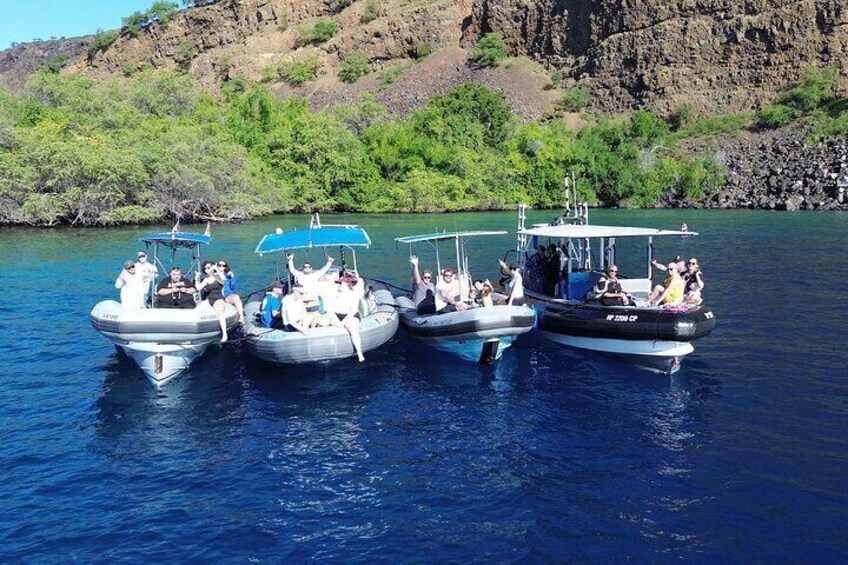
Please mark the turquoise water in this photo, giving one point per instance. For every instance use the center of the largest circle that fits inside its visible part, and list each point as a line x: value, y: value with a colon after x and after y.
x: 413, y: 456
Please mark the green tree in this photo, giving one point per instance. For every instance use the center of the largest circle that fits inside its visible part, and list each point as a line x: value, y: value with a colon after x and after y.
x: 490, y: 51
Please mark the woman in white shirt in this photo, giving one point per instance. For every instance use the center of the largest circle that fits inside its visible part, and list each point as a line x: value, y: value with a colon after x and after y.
x: 515, y: 285
x: 132, y: 287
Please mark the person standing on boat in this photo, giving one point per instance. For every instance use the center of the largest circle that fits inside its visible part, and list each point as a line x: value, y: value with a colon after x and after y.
x: 515, y: 285
x: 308, y: 279
x: 175, y: 291
x: 449, y: 293
x: 535, y: 270
x: 670, y: 293
x: 211, y: 287
x: 424, y: 295
x: 230, y: 294
x: 608, y: 290
x: 132, y: 287
x: 270, y: 311
x: 148, y: 271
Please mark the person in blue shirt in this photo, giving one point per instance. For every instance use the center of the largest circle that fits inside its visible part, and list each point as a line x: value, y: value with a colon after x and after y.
x: 271, y: 308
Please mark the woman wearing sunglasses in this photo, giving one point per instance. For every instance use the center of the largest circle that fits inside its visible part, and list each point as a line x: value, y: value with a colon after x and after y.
x: 230, y: 294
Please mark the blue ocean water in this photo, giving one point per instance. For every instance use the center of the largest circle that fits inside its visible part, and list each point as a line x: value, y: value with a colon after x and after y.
x: 553, y: 455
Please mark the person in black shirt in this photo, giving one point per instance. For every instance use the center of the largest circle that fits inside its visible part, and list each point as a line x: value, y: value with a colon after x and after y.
x: 176, y: 291
x: 608, y: 290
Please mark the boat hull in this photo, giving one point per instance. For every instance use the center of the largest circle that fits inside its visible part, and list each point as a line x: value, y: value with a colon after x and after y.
x: 651, y: 337
x: 478, y: 334
x: 320, y: 345
x: 163, y: 342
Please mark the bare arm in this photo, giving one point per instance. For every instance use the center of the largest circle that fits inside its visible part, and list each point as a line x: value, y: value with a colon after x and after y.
x: 416, y: 277
x: 295, y: 273
x: 323, y: 270
x: 659, y: 266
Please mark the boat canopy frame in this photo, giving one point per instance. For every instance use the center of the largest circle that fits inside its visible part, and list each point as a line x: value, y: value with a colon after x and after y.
x: 317, y: 236
x: 461, y: 239
x: 175, y: 241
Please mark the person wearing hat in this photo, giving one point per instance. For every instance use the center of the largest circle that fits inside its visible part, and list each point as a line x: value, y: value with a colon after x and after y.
x: 294, y: 312
x: 271, y: 307
x: 132, y: 287
x: 146, y: 270
x: 449, y: 293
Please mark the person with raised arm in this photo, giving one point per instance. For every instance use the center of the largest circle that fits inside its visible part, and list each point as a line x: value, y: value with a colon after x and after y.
x: 424, y: 292
x: 308, y: 278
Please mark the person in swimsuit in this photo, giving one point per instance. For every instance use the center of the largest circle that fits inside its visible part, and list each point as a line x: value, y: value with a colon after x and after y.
x: 346, y: 309
x: 230, y: 294
x: 670, y: 293
x: 211, y: 287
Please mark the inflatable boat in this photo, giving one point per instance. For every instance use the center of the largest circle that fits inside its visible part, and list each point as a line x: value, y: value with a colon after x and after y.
x: 378, y: 317
x: 163, y: 341
x: 650, y: 336
x: 479, y: 333
x: 379, y: 323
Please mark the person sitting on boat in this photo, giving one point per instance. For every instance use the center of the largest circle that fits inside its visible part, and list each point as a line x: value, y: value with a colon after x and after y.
x: 146, y: 269
x: 608, y: 290
x: 230, y: 294
x: 424, y: 294
x: 211, y: 287
x: 694, y: 283
x: 270, y: 311
x: 295, y: 317
x: 345, y: 305
x: 175, y: 291
x: 678, y: 262
x: 132, y: 287
x: 483, y: 291
x: 670, y: 293
x: 308, y: 278
x: 515, y: 285
x: 449, y: 293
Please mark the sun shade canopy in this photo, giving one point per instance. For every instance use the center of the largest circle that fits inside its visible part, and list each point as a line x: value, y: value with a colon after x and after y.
x: 327, y: 236
x: 177, y: 239
x: 445, y: 235
x: 578, y: 232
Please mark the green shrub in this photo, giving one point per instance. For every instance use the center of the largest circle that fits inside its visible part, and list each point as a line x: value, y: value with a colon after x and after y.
x: 319, y: 33
x: 370, y: 12
x: 129, y: 68
x: 354, y: 67
x: 135, y: 22
x: 131, y: 214
x: 681, y: 116
x: 268, y: 74
x: 56, y: 62
x: 490, y: 51
x: 575, y: 98
x: 777, y: 115
x: 101, y: 41
x: 390, y: 75
x: 299, y: 72
x: 185, y: 52
x: 722, y: 123
x: 163, y: 12
x: 816, y: 88
x: 423, y: 50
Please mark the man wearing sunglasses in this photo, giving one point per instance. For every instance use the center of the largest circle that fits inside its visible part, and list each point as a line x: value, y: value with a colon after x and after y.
x: 308, y: 279
x: 425, y: 290
x: 608, y: 290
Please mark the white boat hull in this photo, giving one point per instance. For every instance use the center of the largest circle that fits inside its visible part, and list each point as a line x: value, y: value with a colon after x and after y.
x: 163, y: 342
x: 657, y: 355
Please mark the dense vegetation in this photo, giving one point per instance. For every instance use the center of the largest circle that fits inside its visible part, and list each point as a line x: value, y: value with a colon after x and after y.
x: 154, y: 145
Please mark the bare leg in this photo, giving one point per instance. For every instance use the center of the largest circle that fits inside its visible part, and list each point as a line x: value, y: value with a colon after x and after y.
x: 351, y: 324
x: 658, y: 290
x: 235, y: 300
x: 220, y: 311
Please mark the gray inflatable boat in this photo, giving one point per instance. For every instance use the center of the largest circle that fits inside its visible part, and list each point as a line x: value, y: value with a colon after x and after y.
x: 479, y: 334
x: 379, y: 322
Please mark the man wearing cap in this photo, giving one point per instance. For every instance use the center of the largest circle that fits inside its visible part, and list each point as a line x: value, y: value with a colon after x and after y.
x: 131, y: 286
x: 272, y: 306
x: 175, y: 291
x: 148, y: 271
x: 294, y: 313
x: 449, y: 293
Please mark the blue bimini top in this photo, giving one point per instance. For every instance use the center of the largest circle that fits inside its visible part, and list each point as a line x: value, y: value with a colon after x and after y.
x: 327, y: 236
x: 177, y: 239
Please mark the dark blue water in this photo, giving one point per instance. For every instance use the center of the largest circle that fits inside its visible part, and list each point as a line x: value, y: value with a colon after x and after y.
x: 413, y: 456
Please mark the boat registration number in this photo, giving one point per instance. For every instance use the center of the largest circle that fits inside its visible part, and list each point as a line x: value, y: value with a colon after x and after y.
x: 622, y: 318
